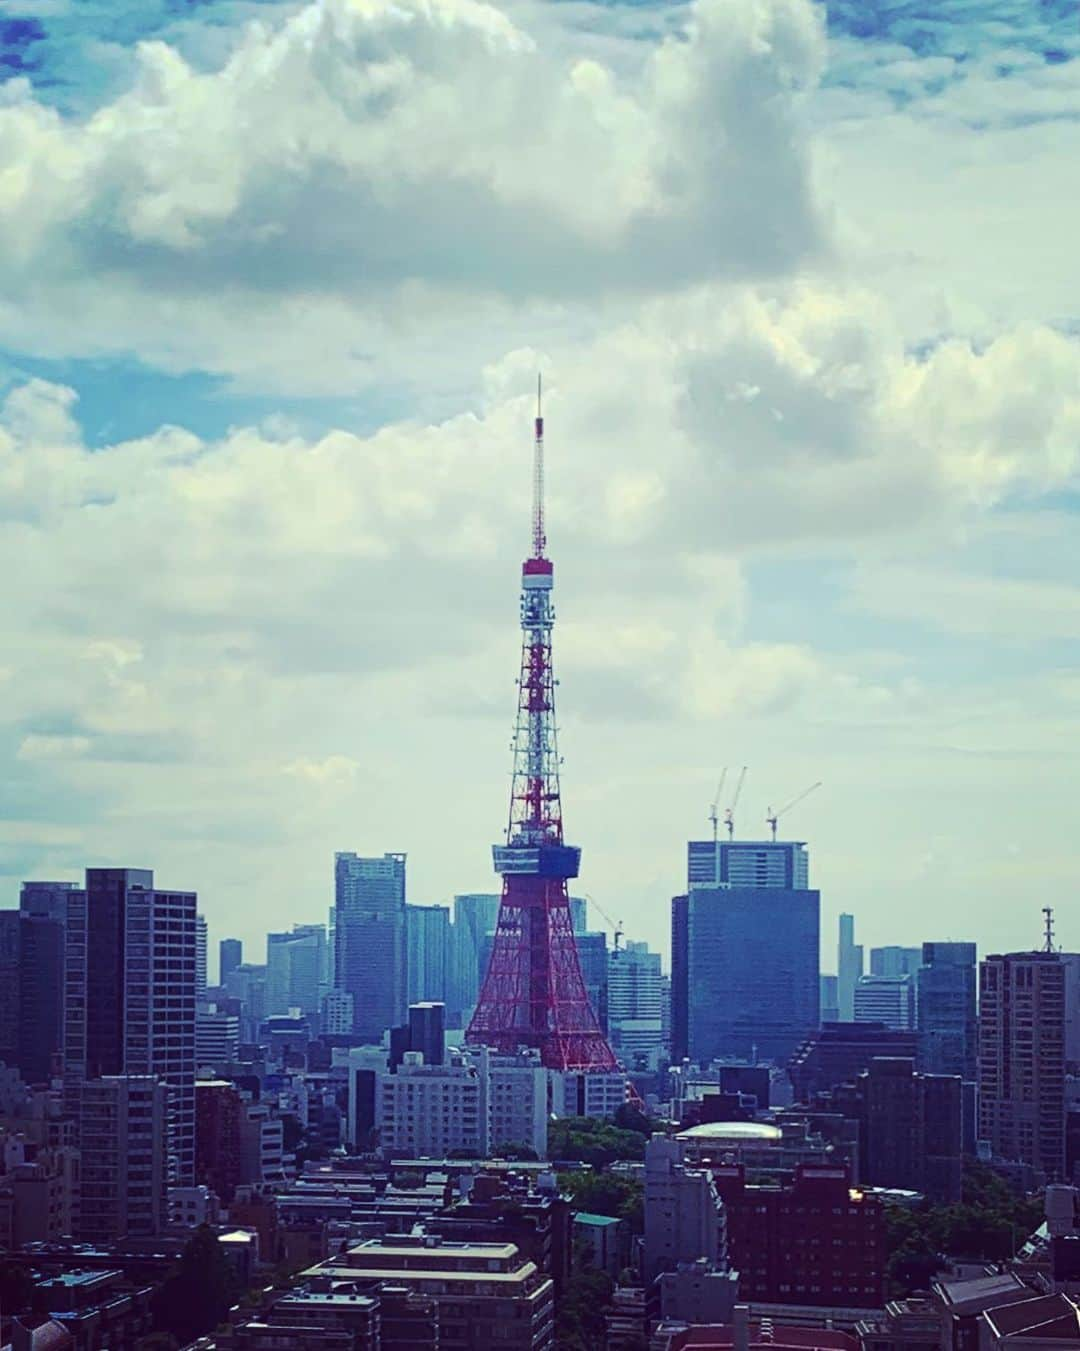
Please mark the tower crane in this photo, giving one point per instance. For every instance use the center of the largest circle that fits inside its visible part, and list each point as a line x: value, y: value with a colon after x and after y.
x: 772, y: 817
x: 729, y: 812
x: 617, y: 929
x: 714, y: 809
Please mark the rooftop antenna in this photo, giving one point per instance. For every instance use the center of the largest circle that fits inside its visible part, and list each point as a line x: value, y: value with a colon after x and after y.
x: 1048, y: 921
x: 729, y: 814
x: 772, y: 817
x: 715, y: 808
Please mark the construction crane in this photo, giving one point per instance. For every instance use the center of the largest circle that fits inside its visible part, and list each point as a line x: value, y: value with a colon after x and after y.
x: 772, y: 817
x: 616, y: 928
x: 715, y: 808
x: 729, y: 812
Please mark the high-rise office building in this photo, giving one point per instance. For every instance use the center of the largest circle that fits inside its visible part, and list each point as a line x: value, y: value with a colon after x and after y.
x: 369, y: 939
x: 635, y: 999
x: 202, y: 941
x: 1022, y: 1059
x: 895, y: 961
x: 680, y: 992
x: 427, y: 945
x: 579, y: 914
x: 911, y: 1129
x: 230, y: 956
x: 849, y: 968
x: 593, y: 958
x: 9, y: 986
x: 427, y: 1031
x: 130, y: 995
x: 945, y: 1008
x: 247, y: 983
x: 32, y: 979
x: 886, y: 999
x: 475, y: 917
x: 296, y: 971
x: 830, y: 999
x: 753, y: 938
x: 123, y: 1134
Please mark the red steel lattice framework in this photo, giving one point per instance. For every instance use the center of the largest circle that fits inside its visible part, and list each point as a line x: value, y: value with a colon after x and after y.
x: 533, y: 993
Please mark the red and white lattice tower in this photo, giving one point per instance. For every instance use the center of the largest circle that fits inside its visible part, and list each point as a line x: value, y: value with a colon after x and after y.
x: 533, y: 993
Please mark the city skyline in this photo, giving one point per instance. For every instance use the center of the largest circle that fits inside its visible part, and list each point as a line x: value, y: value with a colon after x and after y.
x: 811, y: 439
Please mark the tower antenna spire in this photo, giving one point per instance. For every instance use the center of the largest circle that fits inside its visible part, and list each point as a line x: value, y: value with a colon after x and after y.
x: 539, y: 540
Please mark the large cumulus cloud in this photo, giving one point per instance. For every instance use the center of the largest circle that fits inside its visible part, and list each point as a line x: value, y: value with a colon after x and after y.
x: 381, y: 165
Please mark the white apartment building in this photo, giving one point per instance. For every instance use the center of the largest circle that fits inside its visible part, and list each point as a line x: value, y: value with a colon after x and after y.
x: 425, y: 1111
x: 517, y: 1102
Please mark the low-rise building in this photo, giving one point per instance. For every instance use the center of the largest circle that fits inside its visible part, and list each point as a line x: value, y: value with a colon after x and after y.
x: 905, y: 1325
x: 488, y: 1295
x: 606, y: 1240
x: 815, y: 1241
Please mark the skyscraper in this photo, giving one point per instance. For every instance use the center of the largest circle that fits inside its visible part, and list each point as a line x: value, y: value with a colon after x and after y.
x: 130, y: 1005
x: 296, y: 971
x: 752, y: 950
x: 946, y: 1009
x: 369, y: 939
x: 635, y: 1004
x: 895, y: 961
x: 42, y: 920
x: 230, y: 956
x: 1022, y: 1059
x: 32, y: 979
x: 849, y: 968
x: 427, y: 941
x: 475, y: 916
x: 593, y: 959
x: 680, y: 975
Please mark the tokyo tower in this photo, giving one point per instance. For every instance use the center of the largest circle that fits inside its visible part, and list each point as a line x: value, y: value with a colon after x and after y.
x: 533, y: 993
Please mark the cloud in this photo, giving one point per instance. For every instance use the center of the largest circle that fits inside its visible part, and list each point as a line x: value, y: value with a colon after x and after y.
x: 358, y: 169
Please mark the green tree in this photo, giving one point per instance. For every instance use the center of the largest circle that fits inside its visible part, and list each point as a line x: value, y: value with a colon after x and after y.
x: 199, y: 1292
x: 584, y: 1139
x: 579, y: 1323
x: 631, y: 1118
x: 988, y: 1223
x: 517, y: 1151
x: 607, y: 1194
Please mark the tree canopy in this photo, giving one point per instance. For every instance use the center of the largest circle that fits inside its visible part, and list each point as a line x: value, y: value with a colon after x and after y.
x: 989, y: 1222
x: 607, y: 1194
x: 585, y: 1139
x: 199, y: 1292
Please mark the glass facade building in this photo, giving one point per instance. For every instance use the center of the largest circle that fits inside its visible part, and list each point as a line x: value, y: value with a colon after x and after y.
x: 752, y: 950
